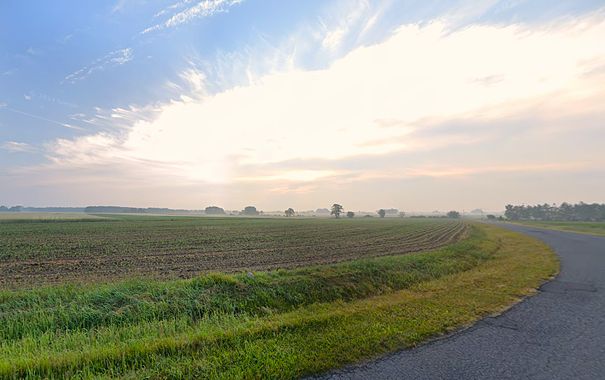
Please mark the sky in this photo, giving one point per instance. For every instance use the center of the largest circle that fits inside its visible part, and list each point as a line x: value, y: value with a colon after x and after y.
x: 415, y: 105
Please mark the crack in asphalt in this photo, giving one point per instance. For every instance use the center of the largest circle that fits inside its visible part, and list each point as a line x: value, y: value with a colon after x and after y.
x: 557, y: 286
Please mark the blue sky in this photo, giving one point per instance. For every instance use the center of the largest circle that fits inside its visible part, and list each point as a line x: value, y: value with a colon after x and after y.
x: 185, y: 103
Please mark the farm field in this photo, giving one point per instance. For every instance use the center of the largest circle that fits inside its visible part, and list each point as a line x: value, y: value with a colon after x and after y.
x: 106, y: 248
x: 44, y: 216
x: 593, y: 228
x: 284, y: 323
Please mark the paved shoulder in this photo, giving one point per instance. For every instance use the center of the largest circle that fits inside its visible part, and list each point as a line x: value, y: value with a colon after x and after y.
x: 557, y: 334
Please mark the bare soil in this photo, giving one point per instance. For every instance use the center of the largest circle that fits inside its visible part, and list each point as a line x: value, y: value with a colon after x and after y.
x: 39, y: 252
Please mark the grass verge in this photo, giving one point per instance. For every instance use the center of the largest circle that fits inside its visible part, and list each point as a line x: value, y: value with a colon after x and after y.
x: 591, y: 228
x: 283, y: 324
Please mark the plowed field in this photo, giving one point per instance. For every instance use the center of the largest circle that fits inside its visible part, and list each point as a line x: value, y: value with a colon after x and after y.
x: 34, y: 252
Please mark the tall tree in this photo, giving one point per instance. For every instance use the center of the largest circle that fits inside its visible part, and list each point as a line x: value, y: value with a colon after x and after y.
x: 336, y: 210
x: 289, y: 212
x: 382, y: 212
x: 453, y: 214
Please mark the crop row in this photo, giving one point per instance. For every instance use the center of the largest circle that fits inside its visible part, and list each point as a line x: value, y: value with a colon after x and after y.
x: 39, y: 253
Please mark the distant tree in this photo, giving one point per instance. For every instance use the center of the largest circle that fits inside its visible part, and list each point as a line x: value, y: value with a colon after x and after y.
x: 16, y: 209
x: 382, y: 212
x: 511, y: 212
x: 491, y: 217
x: 453, y: 214
x: 336, y: 210
x: 214, y: 210
x: 114, y: 210
x: 350, y: 214
x: 289, y: 212
x: 322, y: 211
x: 566, y: 212
x: 3, y: 208
x: 249, y: 210
x: 402, y: 214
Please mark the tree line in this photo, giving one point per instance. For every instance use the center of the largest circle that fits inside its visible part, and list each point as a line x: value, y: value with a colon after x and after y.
x: 592, y: 212
x: 40, y: 209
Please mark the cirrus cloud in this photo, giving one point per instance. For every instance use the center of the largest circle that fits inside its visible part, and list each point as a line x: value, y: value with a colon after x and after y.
x: 374, y: 101
x: 204, y: 8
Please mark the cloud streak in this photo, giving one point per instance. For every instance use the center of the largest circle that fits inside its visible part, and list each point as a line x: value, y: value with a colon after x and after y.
x: 112, y: 59
x: 201, y: 9
x: 17, y: 147
x: 55, y: 122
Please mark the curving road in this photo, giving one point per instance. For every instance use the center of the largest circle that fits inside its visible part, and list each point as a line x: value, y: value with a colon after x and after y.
x: 557, y: 334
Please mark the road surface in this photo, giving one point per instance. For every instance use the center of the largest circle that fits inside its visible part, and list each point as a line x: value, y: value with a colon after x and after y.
x: 557, y: 334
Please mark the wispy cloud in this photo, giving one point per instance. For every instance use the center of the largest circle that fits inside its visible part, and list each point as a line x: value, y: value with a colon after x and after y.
x: 17, y: 147
x: 467, y: 171
x: 31, y: 95
x: 32, y: 51
x: 120, y: 57
x: 350, y: 21
x: 336, y: 113
x: 172, y: 8
x: 65, y: 39
x: 111, y: 59
x: 204, y: 8
x: 38, y: 117
x: 118, y: 6
x: 427, y: 104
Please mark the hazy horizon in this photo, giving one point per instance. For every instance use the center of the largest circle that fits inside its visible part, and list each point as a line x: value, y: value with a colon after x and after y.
x: 455, y: 105
x: 476, y: 211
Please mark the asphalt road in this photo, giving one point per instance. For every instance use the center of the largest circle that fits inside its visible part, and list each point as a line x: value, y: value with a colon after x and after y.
x: 557, y: 334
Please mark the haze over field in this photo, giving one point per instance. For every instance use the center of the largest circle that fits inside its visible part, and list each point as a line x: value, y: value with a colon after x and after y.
x: 414, y: 105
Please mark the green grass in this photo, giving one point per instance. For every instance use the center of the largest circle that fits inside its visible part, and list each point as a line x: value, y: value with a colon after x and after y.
x: 592, y: 228
x: 280, y: 324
